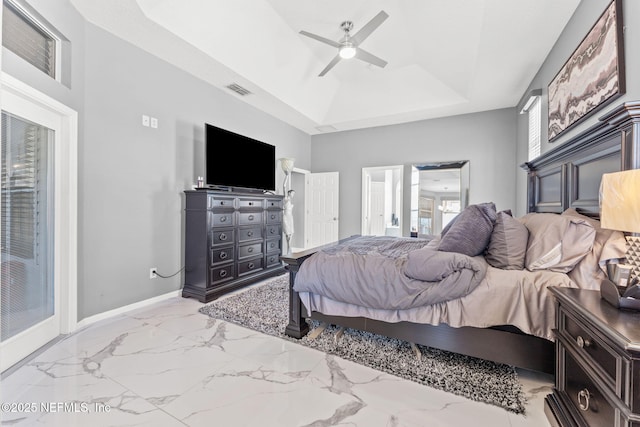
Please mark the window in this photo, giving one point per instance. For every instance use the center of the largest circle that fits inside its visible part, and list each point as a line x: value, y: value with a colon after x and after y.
x: 26, y: 233
x: 532, y: 107
x: 28, y: 39
x: 534, y: 113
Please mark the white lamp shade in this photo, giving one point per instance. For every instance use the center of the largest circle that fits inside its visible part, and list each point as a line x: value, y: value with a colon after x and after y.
x: 620, y: 201
x: 287, y: 164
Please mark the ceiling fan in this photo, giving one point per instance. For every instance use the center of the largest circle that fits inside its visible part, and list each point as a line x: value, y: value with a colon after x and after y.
x: 349, y: 45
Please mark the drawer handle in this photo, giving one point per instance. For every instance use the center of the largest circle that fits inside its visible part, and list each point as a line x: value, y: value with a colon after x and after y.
x: 273, y: 216
x: 249, y: 250
x: 249, y: 233
x: 223, y: 219
x: 583, y: 343
x: 251, y: 265
x: 584, y: 395
x: 272, y: 231
x: 251, y: 217
x: 273, y: 245
x: 223, y: 273
x: 223, y: 255
x: 223, y: 236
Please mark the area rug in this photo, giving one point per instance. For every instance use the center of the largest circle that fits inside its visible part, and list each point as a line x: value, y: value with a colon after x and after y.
x: 265, y: 308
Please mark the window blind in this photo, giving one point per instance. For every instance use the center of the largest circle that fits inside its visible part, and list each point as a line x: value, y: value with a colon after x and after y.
x: 27, y: 39
x: 24, y: 233
x: 534, y: 113
x: 19, y: 175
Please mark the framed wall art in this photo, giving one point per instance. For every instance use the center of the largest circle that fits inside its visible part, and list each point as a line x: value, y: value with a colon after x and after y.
x: 592, y: 77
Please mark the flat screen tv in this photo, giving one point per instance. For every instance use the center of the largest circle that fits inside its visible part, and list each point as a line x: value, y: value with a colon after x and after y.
x: 238, y: 162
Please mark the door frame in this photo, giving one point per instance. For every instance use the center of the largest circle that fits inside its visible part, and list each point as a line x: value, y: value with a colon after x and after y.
x: 65, y: 228
x: 366, y: 196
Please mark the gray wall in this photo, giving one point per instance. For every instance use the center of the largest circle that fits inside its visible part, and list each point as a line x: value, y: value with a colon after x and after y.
x: 486, y: 139
x: 581, y: 22
x: 132, y: 178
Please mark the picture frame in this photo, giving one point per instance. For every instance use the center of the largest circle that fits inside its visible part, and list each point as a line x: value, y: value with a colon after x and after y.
x: 593, y: 75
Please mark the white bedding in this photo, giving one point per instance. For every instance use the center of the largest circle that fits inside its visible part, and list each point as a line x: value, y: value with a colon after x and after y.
x: 505, y: 297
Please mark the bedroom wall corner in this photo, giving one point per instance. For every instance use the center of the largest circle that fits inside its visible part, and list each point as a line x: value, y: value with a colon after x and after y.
x: 486, y: 139
x: 134, y: 176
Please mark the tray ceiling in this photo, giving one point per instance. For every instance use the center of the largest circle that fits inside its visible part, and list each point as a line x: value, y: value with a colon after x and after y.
x: 444, y: 57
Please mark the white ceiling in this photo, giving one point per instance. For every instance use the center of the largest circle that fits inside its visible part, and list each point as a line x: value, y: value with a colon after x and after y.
x: 445, y: 57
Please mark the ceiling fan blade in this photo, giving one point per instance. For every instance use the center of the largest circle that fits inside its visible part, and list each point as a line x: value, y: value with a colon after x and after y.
x: 370, y: 58
x: 320, y: 38
x: 333, y: 62
x: 369, y: 27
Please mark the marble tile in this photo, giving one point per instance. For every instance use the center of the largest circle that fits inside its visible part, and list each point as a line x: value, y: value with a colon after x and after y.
x: 168, y: 365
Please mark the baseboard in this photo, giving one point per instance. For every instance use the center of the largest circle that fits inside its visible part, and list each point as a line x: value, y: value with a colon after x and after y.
x: 120, y: 310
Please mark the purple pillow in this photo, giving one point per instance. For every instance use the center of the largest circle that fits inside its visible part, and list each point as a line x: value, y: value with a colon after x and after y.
x: 471, y: 231
x: 508, y: 244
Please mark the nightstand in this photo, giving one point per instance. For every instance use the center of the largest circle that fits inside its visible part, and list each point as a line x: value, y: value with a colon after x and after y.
x: 597, y: 363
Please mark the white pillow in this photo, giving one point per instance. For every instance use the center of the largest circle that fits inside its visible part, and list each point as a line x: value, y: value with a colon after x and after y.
x: 556, y: 242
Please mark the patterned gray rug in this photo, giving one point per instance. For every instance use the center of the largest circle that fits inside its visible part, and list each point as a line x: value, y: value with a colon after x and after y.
x: 264, y: 308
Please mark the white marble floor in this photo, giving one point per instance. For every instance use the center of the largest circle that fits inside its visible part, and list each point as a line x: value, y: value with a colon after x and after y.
x: 168, y: 365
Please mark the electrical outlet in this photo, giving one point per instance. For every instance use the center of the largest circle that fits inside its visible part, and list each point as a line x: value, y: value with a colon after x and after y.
x: 153, y: 272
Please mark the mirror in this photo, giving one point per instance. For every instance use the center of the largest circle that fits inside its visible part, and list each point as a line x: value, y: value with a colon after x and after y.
x: 439, y: 192
x: 382, y: 200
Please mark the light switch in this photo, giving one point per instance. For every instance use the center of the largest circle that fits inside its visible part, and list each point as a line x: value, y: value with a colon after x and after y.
x: 154, y: 122
x: 145, y: 120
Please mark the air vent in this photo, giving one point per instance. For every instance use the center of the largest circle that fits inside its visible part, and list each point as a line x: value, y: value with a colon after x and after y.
x: 238, y: 89
x: 326, y: 128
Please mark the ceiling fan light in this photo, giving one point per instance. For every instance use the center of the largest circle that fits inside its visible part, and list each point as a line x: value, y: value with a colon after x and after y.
x: 347, y: 52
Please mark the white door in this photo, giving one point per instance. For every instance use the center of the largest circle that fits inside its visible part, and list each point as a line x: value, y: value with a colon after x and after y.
x: 322, y: 208
x: 34, y: 248
x: 376, y: 209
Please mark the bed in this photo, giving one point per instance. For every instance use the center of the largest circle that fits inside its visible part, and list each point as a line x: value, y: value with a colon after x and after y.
x: 508, y: 317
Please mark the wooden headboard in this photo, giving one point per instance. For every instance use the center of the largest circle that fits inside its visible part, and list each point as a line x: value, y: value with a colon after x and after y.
x: 569, y: 175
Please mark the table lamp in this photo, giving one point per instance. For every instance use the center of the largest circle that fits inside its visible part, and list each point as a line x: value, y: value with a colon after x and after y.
x: 620, y: 209
x: 287, y: 167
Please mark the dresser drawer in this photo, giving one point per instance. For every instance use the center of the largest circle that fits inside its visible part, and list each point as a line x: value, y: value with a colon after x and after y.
x: 224, y: 236
x: 273, y: 245
x: 249, y: 266
x: 221, y: 274
x: 273, y: 259
x: 592, y: 347
x: 222, y: 219
x: 221, y: 255
x: 247, y: 203
x: 221, y: 202
x: 273, y: 230
x: 251, y: 233
x: 274, y: 204
x: 274, y: 217
x: 587, y: 401
x: 248, y: 218
x: 254, y: 249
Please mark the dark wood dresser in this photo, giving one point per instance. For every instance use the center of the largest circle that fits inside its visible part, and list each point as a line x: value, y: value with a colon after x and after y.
x: 231, y: 240
x: 597, y: 363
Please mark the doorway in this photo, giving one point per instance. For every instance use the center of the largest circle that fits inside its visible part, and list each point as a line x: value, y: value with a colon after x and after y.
x: 38, y: 219
x: 382, y: 200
